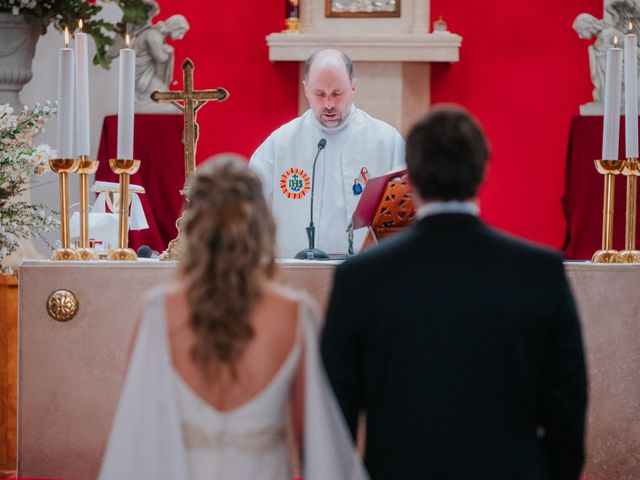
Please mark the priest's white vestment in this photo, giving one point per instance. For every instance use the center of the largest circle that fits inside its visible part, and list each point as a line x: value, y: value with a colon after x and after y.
x: 360, y: 148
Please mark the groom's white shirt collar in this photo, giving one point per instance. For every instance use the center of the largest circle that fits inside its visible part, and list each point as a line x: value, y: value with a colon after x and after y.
x: 435, y: 208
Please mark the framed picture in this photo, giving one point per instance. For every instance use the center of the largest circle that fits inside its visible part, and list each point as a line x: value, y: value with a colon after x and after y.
x: 363, y: 8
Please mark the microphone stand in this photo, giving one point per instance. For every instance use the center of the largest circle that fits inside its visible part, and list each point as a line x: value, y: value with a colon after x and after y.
x: 313, y: 253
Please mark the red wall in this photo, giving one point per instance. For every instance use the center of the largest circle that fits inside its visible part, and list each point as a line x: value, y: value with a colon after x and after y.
x: 523, y: 72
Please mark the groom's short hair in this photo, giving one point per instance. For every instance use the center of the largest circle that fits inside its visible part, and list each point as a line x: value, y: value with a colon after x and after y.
x: 447, y: 153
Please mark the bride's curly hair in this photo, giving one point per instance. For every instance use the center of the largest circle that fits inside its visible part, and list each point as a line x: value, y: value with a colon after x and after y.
x: 229, y: 249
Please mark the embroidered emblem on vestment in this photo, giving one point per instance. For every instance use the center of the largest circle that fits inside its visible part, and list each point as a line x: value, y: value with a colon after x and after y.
x: 295, y: 183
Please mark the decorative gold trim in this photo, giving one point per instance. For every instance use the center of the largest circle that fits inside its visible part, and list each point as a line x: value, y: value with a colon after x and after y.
x: 62, y: 305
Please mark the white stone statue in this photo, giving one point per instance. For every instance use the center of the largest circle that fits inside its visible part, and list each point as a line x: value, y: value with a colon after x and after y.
x: 621, y: 15
x: 155, y: 60
x: 154, y: 57
x: 588, y: 27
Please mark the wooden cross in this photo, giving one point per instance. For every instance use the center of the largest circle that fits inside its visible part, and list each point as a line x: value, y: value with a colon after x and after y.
x: 192, y: 100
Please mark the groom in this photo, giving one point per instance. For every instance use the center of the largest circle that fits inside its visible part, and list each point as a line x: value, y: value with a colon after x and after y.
x: 461, y: 345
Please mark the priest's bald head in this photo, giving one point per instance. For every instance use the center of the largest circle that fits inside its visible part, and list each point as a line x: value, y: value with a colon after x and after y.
x: 329, y: 85
x: 447, y: 154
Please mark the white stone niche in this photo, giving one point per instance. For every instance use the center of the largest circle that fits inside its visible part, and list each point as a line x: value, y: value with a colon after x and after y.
x: 392, y: 56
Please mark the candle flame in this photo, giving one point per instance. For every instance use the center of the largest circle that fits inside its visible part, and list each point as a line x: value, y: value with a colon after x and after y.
x: 66, y: 37
x: 127, y: 40
x: 615, y: 41
x: 630, y: 27
x: 80, y: 24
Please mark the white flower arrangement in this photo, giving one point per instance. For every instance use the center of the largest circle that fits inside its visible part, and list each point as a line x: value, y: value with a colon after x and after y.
x: 20, y: 161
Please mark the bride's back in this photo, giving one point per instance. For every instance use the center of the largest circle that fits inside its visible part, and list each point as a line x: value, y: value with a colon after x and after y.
x: 230, y: 325
x: 232, y: 331
x: 274, y: 320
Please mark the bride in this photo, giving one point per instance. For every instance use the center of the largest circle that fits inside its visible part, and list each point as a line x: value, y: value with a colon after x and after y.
x: 225, y: 380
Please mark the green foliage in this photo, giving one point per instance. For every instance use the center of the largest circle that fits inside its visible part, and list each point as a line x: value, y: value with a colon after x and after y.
x: 66, y: 13
x: 20, y: 162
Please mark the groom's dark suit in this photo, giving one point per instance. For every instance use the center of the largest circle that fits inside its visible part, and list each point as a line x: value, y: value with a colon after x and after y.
x: 463, y: 348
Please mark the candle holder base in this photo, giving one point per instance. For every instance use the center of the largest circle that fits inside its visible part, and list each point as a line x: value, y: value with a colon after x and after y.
x: 87, y: 254
x: 630, y: 256
x: 64, y: 254
x: 174, y: 249
x: 606, y: 256
x: 122, y: 254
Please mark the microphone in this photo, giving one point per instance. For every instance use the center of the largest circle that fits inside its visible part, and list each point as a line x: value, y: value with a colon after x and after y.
x: 144, y: 251
x: 312, y: 253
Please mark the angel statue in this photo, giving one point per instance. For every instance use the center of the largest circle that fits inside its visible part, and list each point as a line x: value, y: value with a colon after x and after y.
x: 154, y: 57
x: 588, y: 27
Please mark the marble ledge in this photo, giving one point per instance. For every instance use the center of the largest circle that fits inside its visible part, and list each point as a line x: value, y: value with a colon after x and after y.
x: 432, y: 47
x: 153, y: 263
x: 285, y: 262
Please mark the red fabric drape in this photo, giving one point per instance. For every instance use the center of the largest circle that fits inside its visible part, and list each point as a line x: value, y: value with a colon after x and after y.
x: 582, y: 200
x: 157, y: 145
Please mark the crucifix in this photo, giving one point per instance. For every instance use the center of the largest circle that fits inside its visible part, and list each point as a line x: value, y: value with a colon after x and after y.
x: 192, y: 101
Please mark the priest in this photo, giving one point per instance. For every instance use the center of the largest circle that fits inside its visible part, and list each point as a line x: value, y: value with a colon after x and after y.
x: 356, y: 148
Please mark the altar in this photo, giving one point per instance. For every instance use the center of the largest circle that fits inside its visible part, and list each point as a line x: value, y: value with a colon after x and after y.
x: 70, y: 372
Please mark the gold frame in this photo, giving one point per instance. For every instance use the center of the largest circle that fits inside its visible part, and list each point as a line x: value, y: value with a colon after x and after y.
x: 331, y: 14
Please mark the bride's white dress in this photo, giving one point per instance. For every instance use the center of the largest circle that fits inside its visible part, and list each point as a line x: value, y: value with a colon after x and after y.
x: 246, y: 442
x: 163, y: 430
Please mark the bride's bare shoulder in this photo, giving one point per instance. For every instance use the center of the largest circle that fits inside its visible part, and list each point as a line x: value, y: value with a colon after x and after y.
x: 283, y: 293
x: 295, y: 299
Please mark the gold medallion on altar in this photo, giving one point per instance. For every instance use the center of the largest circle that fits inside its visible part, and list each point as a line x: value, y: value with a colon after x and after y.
x: 295, y: 183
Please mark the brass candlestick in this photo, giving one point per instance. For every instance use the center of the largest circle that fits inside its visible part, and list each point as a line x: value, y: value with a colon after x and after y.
x: 63, y: 167
x: 608, y: 168
x: 631, y: 171
x: 292, y: 24
x: 292, y: 20
x: 85, y: 168
x: 124, y: 168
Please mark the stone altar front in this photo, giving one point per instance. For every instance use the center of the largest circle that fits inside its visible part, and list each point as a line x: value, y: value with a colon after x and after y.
x: 70, y: 372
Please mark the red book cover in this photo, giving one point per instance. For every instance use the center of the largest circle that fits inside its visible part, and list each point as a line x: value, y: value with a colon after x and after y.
x: 371, y: 196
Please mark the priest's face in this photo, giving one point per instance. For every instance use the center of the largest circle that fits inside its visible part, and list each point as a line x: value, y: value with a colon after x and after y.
x: 329, y: 91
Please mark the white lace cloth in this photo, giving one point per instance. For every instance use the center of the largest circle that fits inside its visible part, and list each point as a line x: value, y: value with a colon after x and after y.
x: 163, y: 430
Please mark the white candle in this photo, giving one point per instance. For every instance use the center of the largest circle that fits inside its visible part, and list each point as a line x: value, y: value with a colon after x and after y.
x: 612, y: 94
x: 65, y: 100
x: 631, y: 94
x: 82, y: 93
x: 126, y: 98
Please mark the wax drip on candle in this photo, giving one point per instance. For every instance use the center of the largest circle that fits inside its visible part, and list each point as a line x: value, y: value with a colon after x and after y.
x: 66, y: 37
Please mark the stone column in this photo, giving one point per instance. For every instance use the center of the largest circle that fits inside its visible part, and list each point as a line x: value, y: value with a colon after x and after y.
x: 420, y: 16
x: 306, y: 14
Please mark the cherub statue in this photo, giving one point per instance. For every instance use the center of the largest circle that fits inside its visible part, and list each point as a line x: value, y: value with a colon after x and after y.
x: 588, y: 27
